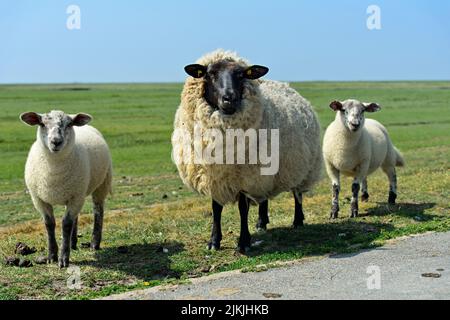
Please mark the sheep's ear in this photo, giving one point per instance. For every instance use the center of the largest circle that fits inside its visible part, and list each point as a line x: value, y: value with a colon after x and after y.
x: 371, y: 107
x: 31, y: 118
x: 195, y: 70
x: 336, y: 106
x: 255, y: 72
x: 81, y: 119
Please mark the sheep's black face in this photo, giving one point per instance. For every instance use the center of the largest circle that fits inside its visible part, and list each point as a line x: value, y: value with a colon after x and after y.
x: 55, y: 128
x: 225, y: 81
x: 352, y: 112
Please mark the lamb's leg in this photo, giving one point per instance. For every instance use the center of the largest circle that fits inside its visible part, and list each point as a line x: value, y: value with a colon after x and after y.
x: 72, y: 211
x: 98, y: 224
x: 216, y: 232
x: 263, y: 216
x: 98, y: 200
x: 392, y: 175
x: 364, y: 191
x: 334, y: 175
x: 244, y: 238
x: 49, y: 219
x: 354, y: 202
x: 74, y: 238
x: 299, y: 216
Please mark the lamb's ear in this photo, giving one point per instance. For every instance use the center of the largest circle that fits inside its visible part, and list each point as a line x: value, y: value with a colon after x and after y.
x: 371, y: 107
x: 81, y: 119
x: 31, y: 118
x: 196, y: 70
x: 336, y: 106
x: 255, y: 72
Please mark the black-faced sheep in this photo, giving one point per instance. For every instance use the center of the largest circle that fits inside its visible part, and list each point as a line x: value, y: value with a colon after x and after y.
x: 223, y: 94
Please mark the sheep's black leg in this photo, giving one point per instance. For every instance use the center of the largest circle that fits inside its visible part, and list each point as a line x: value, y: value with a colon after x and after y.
x: 354, y: 202
x: 244, y: 239
x: 263, y: 216
x: 74, y: 238
x: 299, y: 216
x: 216, y: 233
x: 52, y: 245
x: 67, y: 227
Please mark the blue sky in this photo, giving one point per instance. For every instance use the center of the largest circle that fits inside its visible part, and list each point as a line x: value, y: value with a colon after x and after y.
x: 151, y: 41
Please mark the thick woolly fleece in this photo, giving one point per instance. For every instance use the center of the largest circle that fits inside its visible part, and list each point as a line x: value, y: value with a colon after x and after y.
x: 347, y: 151
x: 266, y: 105
x: 82, y: 167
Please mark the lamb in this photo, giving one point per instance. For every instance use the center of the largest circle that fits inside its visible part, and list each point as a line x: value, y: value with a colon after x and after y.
x: 356, y: 147
x: 225, y: 93
x: 68, y: 162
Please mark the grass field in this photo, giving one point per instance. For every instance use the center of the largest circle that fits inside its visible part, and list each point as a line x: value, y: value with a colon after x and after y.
x: 152, y: 210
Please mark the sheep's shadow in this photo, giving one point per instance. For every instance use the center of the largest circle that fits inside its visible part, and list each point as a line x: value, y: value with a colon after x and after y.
x: 407, y: 210
x: 318, y: 239
x: 146, y: 262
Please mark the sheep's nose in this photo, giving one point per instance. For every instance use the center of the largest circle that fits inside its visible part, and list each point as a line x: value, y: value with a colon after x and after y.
x: 227, y: 98
x: 56, y: 142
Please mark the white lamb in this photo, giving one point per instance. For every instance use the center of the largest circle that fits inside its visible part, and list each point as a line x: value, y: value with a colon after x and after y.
x: 357, y: 147
x: 68, y: 162
x: 225, y: 93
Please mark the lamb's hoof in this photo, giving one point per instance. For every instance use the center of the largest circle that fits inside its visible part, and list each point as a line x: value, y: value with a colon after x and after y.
x: 392, y: 197
x: 95, y: 246
x: 74, y: 247
x: 334, y: 215
x: 365, y: 197
x: 213, y: 246
x: 63, y: 263
x: 354, y: 214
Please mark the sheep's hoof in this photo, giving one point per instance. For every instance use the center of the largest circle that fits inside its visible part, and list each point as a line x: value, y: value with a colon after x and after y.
x: 74, y: 247
x: 261, y: 227
x: 95, y: 247
x: 354, y: 214
x: 243, y: 249
x: 213, y: 246
x: 365, y: 197
x: 63, y: 263
x: 392, y: 197
x: 297, y: 225
x: 52, y: 257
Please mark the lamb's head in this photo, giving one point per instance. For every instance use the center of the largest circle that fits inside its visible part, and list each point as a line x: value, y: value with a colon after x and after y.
x: 351, y: 112
x: 55, y: 130
x: 224, y: 82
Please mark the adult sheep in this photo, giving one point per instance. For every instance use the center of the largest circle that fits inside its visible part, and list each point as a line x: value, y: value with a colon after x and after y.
x: 69, y: 161
x: 356, y: 147
x: 225, y: 93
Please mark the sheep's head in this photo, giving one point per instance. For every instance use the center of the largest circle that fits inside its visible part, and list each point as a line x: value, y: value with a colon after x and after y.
x: 352, y: 112
x: 224, y: 82
x: 55, y: 128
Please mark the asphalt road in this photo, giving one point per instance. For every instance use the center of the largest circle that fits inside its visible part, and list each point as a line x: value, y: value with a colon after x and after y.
x: 412, y: 268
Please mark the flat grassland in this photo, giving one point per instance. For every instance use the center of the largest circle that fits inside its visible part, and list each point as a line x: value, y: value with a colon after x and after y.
x: 151, y: 210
